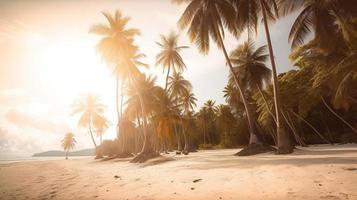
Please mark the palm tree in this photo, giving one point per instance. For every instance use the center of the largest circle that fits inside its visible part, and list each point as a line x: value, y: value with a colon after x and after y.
x: 225, y: 121
x: 116, y: 45
x: 68, y: 143
x: 249, y: 64
x: 322, y: 17
x: 170, y: 55
x: 91, y: 110
x: 165, y: 115
x: 101, y: 125
x: 268, y: 9
x: 207, y: 19
x: 188, y: 102
x: 141, y: 95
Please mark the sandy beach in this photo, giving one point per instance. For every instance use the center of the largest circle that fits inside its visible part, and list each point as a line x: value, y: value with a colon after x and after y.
x: 317, y: 172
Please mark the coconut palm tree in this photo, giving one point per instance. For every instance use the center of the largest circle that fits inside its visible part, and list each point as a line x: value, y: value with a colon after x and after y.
x: 141, y: 95
x: 165, y: 115
x: 91, y: 111
x: 177, y: 87
x: 68, y: 143
x: 188, y: 103
x: 101, y: 125
x: 207, y: 19
x: 169, y: 56
x: 225, y: 121
x: 323, y: 18
x: 249, y: 64
x: 268, y: 10
x: 115, y: 45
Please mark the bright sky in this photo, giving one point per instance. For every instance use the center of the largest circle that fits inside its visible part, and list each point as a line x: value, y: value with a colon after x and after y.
x: 48, y: 58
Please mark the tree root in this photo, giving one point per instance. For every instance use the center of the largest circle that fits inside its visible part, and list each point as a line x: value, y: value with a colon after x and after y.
x: 253, y: 149
x: 284, y: 151
x: 144, y: 156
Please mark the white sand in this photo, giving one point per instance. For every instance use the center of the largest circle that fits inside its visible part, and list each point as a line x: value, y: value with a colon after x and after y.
x: 318, y: 172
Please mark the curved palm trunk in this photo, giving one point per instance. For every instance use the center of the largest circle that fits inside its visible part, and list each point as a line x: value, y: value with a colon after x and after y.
x: 284, y: 145
x: 147, y: 151
x: 167, y: 76
x: 311, y: 126
x: 117, y: 104
x: 253, y: 139
x: 337, y: 115
x: 91, y: 135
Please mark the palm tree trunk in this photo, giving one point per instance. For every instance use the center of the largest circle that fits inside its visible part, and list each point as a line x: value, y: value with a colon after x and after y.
x: 266, y: 102
x: 337, y: 115
x: 284, y: 144
x: 167, y: 76
x: 66, y: 154
x: 117, y: 105
x: 91, y: 134
x: 253, y: 139
x: 312, y: 127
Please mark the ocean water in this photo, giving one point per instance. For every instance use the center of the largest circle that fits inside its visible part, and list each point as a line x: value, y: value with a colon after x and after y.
x: 10, y: 158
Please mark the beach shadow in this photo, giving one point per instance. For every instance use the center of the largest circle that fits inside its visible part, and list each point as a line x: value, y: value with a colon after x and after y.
x: 157, y: 161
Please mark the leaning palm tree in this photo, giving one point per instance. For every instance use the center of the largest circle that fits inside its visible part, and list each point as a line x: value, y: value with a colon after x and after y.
x: 68, y: 143
x: 248, y: 13
x: 169, y: 56
x: 249, y: 64
x: 115, y: 46
x: 207, y: 19
x: 91, y: 110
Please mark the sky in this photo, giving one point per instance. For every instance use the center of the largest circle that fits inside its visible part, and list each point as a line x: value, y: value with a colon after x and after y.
x: 48, y: 59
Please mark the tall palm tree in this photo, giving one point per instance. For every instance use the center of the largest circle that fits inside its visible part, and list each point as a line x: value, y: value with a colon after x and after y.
x: 91, y: 111
x: 165, y: 115
x: 141, y: 95
x: 249, y: 64
x: 68, y: 143
x: 177, y: 87
x: 268, y: 10
x: 116, y: 45
x: 188, y: 103
x: 101, y: 125
x: 207, y: 19
x: 169, y: 56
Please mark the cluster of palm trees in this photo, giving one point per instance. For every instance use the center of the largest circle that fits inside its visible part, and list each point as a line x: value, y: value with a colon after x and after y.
x: 154, y: 119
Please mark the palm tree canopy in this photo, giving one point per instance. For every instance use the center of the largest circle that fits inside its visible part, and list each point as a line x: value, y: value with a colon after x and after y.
x: 178, y: 85
x: 117, y: 41
x: 207, y: 19
x: 90, y: 108
x: 170, y: 53
x: 68, y: 141
x: 188, y: 102
x: 249, y: 65
x: 320, y: 17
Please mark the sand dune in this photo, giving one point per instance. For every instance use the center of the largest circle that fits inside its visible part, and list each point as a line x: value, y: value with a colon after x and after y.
x: 317, y: 172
